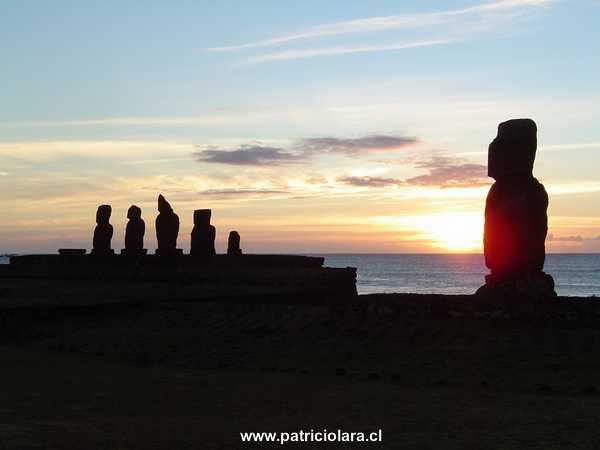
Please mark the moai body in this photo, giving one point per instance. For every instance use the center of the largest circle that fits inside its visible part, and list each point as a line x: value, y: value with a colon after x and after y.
x: 167, y: 228
x: 516, y: 220
x: 233, y: 244
x: 103, y: 232
x: 134, y: 232
x: 203, y: 234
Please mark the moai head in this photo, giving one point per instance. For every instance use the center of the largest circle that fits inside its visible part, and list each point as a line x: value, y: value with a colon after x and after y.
x: 134, y: 213
x: 103, y: 214
x: 163, y: 205
x: 234, y: 240
x: 202, y: 217
x: 512, y: 153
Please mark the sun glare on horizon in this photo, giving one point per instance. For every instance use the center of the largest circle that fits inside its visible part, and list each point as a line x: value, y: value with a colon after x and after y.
x: 459, y: 232
x: 456, y: 232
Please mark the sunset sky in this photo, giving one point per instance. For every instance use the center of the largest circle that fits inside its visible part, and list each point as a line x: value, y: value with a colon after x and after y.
x: 312, y: 126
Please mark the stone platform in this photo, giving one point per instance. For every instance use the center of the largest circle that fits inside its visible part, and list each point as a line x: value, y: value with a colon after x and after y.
x: 90, y: 279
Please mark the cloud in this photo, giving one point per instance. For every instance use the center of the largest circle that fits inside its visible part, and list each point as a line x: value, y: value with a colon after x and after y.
x: 342, y: 50
x: 247, y: 155
x: 239, y: 192
x: 302, y: 150
x: 384, y: 23
x: 443, y: 172
x: 353, y: 146
x: 450, y: 172
x: 374, y: 182
x: 577, y: 238
x: 213, y: 119
x: 43, y: 151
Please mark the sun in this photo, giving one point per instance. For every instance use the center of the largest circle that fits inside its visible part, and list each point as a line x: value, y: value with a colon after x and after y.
x: 453, y: 231
x: 459, y: 232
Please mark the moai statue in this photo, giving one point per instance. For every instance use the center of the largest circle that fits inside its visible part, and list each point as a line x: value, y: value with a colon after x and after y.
x: 167, y: 228
x: 516, y: 220
x: 233, y: 244
x: 134, y: 232
x: 203, y: 234
x: 103, y: 232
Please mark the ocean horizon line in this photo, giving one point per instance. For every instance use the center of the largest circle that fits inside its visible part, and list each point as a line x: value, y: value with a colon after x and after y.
x: 309, y: 253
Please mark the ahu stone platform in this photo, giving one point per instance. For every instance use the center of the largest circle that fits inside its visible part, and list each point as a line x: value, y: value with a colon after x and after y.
x: 73, y: 279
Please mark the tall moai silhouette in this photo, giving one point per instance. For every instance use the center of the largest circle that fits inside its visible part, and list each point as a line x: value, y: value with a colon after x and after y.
x: 103, y: 232
x: 516, y: 220
x: 233, y: 244
x: 203, y: 234
x: 167, y: 228
x: 134, y: 232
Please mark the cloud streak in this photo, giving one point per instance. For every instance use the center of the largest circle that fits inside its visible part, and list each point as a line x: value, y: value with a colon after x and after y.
x: 344, y: 50
x: 450, y: 173
x: 247, y: 155
x: 576, y: 238
x: 370, y: 182
x: 234, y: 193
x: 442, y: 172
x: 383, y: 23
x: 302, y: 150
x: 353, y: 146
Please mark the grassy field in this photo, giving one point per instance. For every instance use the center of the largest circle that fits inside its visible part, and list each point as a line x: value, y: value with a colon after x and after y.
x: 195, y: 375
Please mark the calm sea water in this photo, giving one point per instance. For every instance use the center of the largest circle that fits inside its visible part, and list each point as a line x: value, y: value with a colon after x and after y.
x: 574, y: 274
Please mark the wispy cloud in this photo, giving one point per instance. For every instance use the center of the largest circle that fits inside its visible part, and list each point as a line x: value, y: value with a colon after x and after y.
x: 209, y: 119
x: 125, y: 150
x: 302, y: 150
x: 576, y: 238
x: 370, y: 182
x: 236, y: 193
x: 247, y: 155
x: 383, y: 23
x: 442, y: 172
x: 449, y: 172
x: 344, y: 50
x: 355, y: 145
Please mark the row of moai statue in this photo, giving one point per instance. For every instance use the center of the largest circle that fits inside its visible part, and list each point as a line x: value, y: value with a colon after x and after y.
x: 167, y: 231
x: 516, y: 218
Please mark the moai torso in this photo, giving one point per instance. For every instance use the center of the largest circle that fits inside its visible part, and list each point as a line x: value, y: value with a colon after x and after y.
x: 103, y: 232
x: 233, y: 244
x: 135, y: 230
x: 203, y: 234
x: 516, y: 225
x: 167, y: 225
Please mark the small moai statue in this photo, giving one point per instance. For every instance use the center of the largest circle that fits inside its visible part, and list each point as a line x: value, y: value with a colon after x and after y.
x: 167, y: 228
x: 516, y: 220
x: 103, y: 232
x: 134, y: 232
x: 203, y: 234
x: 233, y: 244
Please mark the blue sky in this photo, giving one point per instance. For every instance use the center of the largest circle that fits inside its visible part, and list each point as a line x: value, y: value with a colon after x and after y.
x: 117, y: 101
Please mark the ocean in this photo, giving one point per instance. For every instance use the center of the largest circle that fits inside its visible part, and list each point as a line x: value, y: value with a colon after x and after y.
x: 574, y: 274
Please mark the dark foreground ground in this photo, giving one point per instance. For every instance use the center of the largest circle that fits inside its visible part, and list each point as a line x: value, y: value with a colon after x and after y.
x: 432, y: 372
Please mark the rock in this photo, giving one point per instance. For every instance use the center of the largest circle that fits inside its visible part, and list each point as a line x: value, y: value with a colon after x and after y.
x: 233, y: 244
x: 167, y: 228
x: 516, y: 220
x: 203, y: 234
x: 134, y: 232
x: 103, y: 232
x: 71, y: 251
